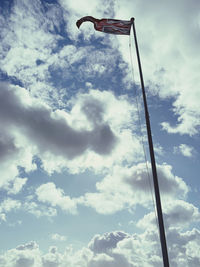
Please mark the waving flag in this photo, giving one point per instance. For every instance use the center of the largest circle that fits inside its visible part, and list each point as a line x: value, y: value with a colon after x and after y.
x: 113, y: 26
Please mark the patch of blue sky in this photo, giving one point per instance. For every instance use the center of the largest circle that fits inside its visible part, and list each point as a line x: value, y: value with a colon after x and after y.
x: 80, y: 232
x: 63, y: 37
x: 73, y: 185
x: 23, y: 227
x: 6, y: 7
x: 75, y: 76
x: 50, y: 1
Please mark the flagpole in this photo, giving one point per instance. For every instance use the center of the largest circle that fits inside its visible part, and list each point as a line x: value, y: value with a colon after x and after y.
x: 153, y: 163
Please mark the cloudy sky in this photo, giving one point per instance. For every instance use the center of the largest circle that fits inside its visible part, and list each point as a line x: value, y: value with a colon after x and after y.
x: 75, y: 179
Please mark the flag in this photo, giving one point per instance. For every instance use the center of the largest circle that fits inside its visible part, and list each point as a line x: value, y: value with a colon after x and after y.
x: 113, y: 26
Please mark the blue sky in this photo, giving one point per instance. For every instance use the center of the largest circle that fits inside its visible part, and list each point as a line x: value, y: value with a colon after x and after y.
x: 74, y: 184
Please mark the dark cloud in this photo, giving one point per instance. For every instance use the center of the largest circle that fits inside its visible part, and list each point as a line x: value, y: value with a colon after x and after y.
x: 108, y: 241
x: 177, y: 213
x: 7, y: 146
x: 116, y: 261
x: 28, y: 246
x: 104, y: 246
x: 168, y: 182
x: 93, y: 109
x: 50, y: 263
x: 38, y: 125
x: 181, y: 213
x: 24, y: 262
x: 102, y: 139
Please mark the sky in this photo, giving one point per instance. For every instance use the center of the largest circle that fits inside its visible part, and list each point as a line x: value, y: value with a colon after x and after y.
x: 76, y: 187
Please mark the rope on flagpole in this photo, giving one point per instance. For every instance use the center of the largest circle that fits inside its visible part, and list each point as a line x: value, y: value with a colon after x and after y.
x: 142, y: 136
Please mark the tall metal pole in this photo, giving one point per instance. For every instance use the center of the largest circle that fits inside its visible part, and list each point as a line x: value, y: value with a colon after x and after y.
x: 153, y: 163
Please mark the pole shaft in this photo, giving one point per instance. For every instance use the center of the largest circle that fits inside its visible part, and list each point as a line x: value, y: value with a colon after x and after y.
x: 153, y: 163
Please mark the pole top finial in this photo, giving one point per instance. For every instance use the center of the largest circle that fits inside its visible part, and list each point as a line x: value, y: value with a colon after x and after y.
x: 132, y: 19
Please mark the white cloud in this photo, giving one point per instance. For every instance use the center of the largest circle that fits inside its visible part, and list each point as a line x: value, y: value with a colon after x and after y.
x: 16, y: 185
x: 29, y: 37
x: 57, y: 237
x: 183, y: 245
x: 39, y: 210
x: 101, y: 260
x: 23, y: 256
x: 159, y: 150
x: 170, y: 67
x: 48, y: 193
x: 12, y: 155
x: 185, y: 150
x: 53, y: 258
x: 114, y: 249
x: 29, y: 55
x: 8, y: 205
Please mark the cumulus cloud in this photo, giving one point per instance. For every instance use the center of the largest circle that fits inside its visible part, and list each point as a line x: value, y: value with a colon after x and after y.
x: 184, y: 247
x: 70, y: 135
x: 127, y: 187
x: 49, y: 131
x: 48, y: 193
x: 177, y: 214
x: 93, y: 134
x: 144, y: 249
x: 168, y: 182
x: 115, y: 249
x: 24, y: 255
x: 181, y: 213
x: 53, y: 258
x: 101, y: 244
x: 102, y: 260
